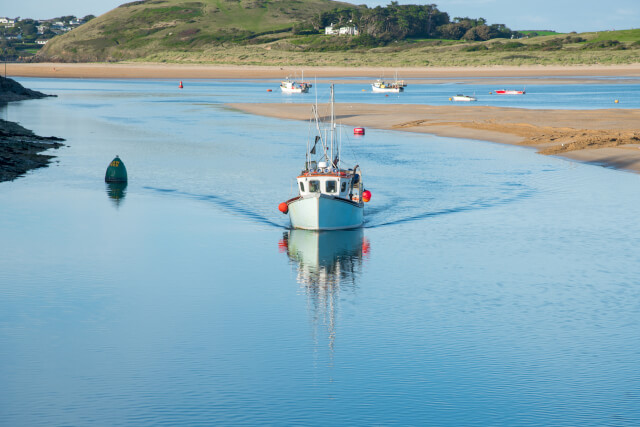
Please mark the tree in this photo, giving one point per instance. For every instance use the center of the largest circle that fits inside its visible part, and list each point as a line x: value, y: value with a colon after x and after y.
x: 478, y: 33
x: 29, y: 30
x: 452, y: 31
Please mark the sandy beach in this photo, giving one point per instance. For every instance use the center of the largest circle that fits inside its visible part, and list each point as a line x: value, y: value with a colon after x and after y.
x: 609, y: 137
x: 203, y: 71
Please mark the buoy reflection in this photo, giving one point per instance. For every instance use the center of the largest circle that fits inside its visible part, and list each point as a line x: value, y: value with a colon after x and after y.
x: 116, y: 192
x: 328, y: 262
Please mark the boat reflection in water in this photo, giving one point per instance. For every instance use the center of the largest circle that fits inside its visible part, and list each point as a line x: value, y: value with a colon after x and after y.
x: 116, y: 192
x: 328, y: 262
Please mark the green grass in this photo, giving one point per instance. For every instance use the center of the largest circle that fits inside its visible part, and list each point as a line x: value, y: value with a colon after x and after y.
x: 540, y: 32
x: 621, y: 36
x: 144, y: 27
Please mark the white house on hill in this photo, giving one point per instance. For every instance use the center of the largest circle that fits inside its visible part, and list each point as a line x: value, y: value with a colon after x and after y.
x: 342, y: 31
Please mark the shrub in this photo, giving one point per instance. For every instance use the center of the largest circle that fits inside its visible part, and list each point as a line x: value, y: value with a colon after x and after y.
x: 474, y: 48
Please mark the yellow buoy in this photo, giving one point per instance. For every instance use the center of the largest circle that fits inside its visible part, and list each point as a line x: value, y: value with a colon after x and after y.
x: 616, y: 101
x: 450, y: 99
x: 490, y: 93
x: 364, y: 90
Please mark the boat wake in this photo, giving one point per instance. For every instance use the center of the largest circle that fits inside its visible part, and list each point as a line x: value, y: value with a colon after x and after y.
x: 374, y: 218
x: 371, y: 218
x: 222, y: 202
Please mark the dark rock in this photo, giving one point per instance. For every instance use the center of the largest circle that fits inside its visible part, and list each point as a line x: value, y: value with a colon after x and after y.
x: 20, y: 150
x: 11, y: 90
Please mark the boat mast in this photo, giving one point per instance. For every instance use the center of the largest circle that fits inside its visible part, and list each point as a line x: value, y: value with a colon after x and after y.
x: 333, y: 127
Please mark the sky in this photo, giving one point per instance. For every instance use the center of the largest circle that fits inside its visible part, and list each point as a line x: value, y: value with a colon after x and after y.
x: 559, y: 15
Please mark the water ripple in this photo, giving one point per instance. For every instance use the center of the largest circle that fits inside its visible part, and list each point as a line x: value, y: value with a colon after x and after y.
x: 227, y: 204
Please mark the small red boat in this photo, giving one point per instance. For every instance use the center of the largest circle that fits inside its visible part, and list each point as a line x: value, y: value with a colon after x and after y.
x: 358, y: 131
x: 509, y: 92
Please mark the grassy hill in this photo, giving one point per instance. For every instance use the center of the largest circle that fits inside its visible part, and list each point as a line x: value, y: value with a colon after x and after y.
x: 144, y: 28
x: 263, y: 32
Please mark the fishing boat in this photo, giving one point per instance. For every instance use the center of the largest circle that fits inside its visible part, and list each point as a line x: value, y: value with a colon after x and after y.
x: 463, y: 98
x: 291, y: 86
x: 380, y: 86
x: 509, y: 92
x: 330, y: 196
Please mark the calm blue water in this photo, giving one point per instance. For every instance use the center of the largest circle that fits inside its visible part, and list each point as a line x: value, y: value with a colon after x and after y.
x: 490, y: 286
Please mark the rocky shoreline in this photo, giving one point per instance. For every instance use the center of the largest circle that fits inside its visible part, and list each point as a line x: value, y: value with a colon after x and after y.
x: 20, y: 148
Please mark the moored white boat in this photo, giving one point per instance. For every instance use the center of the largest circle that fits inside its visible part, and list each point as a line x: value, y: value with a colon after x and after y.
x: 330, y: 197
x: 290, y: 86
x: 380, y: 86
x: 463, y: 98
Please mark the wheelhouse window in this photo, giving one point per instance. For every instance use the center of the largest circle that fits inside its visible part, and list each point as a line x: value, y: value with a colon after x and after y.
x: 314, y: 186
x: 331, y: 186
x: 343, y: 186
x: 302, y: 186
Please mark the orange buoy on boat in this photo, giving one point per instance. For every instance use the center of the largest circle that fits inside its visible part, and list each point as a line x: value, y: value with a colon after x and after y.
x: 366, y: 196
x: 180, y: 85
x: 358, y: 131
x: 283, y: 207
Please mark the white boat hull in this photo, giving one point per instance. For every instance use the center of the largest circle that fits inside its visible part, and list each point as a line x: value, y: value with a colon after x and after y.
x: 323, y: 212
x: 294, y: 90
x: 386, y: 89
x: 464, y: 98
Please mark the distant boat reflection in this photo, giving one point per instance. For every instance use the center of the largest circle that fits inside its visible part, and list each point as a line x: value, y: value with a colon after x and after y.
x: 328, y: 262
x: 116, y: 192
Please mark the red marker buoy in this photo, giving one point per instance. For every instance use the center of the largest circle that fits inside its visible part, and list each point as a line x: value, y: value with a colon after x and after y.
x: 180, y: 85
x: 283, y: 207
x: 358, y: 131
x: 269, y: 90
x: 366, y: 196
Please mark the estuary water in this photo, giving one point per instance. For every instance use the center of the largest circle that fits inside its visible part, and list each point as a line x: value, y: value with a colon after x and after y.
x: 490, y: 285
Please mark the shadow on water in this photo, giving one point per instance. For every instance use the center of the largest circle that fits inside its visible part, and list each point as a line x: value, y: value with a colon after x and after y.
x: 327, y: 262
x: 116, y: 191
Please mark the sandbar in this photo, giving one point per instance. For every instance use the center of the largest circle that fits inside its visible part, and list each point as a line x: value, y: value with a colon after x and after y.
x: 135, y: 70
x: 607, y: 137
